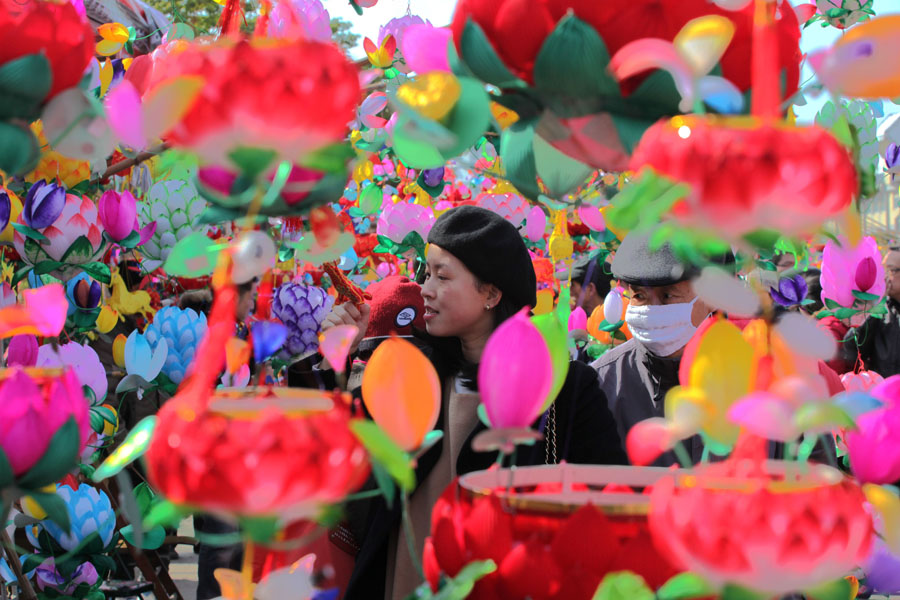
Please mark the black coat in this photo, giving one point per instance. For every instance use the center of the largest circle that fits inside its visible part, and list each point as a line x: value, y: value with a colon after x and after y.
x: 585, y: 433
x: 878, y: 342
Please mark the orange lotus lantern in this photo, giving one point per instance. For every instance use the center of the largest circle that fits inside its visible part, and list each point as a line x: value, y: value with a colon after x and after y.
x: 771, y: 526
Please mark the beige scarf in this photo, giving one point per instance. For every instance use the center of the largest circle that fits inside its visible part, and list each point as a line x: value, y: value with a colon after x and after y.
x: 459, y: 422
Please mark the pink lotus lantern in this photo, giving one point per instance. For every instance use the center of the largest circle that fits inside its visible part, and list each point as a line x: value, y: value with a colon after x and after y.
x: 515, y: 373
x: 846, y: 269
x: 34, y: 405
x: 75, y: 237
x: 399, y: 220
x: 511, y: 207
x: 873, y: 447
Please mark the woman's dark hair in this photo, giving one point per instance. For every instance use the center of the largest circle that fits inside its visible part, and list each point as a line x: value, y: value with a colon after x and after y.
x: 814, y: 290
x: 200, y: 301
x: 247, y: 286
x: 130, y: 272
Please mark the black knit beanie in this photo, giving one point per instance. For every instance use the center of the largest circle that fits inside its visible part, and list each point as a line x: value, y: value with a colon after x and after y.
x: 491, y: 248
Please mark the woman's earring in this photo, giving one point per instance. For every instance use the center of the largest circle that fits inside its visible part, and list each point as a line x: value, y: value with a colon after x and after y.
x: 487, y: 307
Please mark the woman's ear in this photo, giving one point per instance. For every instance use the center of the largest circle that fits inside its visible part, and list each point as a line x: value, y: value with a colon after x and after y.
x: 493, y: 294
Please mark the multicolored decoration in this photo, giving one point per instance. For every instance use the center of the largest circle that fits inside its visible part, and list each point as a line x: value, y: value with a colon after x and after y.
x: 826, y: 532
x: 302, y: 309
x: 192, y: 458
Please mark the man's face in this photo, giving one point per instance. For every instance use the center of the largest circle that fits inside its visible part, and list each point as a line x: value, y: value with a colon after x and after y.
x: 587, y: 296
x: 892, y: 274
x: 677, y: 293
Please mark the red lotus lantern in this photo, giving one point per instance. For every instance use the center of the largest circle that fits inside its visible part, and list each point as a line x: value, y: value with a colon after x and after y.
x: 555, y: 536
x: 54, y: 29
x: 770, y: 526
x: 288, y: 97
x: 746, y: 173
x: 257, y: 452
x: 551, y: 61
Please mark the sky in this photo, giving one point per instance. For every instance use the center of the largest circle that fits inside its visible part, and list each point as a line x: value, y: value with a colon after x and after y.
x: 440, y: 12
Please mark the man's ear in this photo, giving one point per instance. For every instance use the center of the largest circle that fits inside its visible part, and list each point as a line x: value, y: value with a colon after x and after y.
x: 590, y: 290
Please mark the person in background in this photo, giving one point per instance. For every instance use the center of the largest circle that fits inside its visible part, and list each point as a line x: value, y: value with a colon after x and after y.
x: 591, y: 282
x: 663, y: 314
x: 877, y: 341
x: 478, y: 274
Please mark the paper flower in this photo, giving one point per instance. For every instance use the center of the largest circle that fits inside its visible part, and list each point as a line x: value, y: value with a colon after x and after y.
x: 853, y: 66
x: 513, y: 388
x: 32, y: 408
x: 302, y: 309
x: 306, y: 19
x: 118, y: 212
x: 182, y: 329
x: 424, y: 48
x: 56, y: 31
x: 846, y: 268
x: 511, y: 207
x: 83, y: 293
x: 689, y: 58
x: 48, y: 577
x: 53, y: 165
x: 859, y: 115
x: 303, y: 459
x: 396, y: 221
x: 382, y: 55
x: 397, y: 26
x: 43, y: 204
x: 873, y: 450
x: 89, y: 511
x: 717, y: 369
x: 113, y: 37
x: 23, y: 351
x: 83, y: 361
x: 517, y: 30
x: 140, y: 360
x: 175, y: 206
x: 790, y: 533
x: 367, y: 113
x: 791, y: 291
x: 741, y: 170
x: 250, y: 97
x: 75, y: 237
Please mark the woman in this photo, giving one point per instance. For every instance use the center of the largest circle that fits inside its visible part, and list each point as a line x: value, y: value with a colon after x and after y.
x: 478, y: 274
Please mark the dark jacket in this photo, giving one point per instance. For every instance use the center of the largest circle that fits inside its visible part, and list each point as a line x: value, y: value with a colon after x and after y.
x: 636, y: 382
x: 585, y: 433
x: 877, y: 342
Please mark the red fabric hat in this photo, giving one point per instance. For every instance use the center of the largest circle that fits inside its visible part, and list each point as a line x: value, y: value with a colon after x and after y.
x: 397, y: 307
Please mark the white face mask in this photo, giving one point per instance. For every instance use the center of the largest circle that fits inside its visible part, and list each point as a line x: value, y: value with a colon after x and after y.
x: 663, y: 328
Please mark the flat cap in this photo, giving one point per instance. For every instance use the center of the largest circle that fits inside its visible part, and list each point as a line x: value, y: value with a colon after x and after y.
x: 636, y: 264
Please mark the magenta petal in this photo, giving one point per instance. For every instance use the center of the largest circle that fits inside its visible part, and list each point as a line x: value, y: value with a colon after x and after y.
x: 866, y: 273
x: 23, y: 351
x: 147, y: 232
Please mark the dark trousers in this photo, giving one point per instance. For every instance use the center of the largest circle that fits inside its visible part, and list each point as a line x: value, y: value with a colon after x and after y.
x: 212, y: 557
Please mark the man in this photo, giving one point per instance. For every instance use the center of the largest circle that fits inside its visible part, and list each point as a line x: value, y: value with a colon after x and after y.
x: 591, y: 282
x: 663, y: 314
x: 877, y: 341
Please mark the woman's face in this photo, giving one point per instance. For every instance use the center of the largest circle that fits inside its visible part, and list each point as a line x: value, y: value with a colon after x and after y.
x: 454, y: 302
x: 245, y: 303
